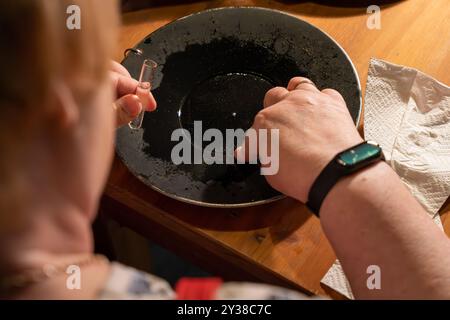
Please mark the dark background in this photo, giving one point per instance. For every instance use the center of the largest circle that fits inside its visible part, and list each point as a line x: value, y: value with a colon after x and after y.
x: 131, y: 5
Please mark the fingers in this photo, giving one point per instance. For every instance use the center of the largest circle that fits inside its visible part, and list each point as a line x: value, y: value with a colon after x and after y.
x: 301, y: 83
x: 257, y: 144
x: 148, y: 101
x: 127, y: 108
x: 333, y: 93
x: 274, y: 95
x: 248, y: 151
x: 120, y: 69
x: 124, y: 85
x: 129, y: 105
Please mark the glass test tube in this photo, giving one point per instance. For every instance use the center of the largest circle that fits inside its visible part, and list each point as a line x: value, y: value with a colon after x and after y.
x: 144, y: 86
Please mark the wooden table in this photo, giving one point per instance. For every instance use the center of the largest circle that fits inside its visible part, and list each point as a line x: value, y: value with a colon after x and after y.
x: 279, y: 243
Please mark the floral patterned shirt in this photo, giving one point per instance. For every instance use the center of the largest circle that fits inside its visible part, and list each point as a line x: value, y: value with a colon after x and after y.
x: 128, y: 283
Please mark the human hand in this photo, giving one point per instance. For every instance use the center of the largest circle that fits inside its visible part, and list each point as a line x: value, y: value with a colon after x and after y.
x: 128, y: 105
x: 313, y: 126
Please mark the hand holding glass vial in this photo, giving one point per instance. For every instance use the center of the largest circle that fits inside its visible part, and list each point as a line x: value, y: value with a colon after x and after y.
x: 142, y: 91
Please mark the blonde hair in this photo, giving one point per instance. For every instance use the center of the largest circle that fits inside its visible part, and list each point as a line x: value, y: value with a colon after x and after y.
x: 36, y: 50
x: 37, y: 47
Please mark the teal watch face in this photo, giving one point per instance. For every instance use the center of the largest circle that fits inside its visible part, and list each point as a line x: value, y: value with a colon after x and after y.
x: 359, y: 154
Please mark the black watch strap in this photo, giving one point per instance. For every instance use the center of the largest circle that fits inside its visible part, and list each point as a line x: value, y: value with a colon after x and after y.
x: 337, y: 168
x: 329, y: 176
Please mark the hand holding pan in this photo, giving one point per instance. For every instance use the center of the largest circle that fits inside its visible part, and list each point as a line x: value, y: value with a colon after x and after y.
x: 215, y: 67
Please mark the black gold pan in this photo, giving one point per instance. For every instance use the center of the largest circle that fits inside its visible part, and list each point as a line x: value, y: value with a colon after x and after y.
x: 215, y: 66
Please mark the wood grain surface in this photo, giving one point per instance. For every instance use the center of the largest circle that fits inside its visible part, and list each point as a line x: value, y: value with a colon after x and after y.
x: 279, y: 243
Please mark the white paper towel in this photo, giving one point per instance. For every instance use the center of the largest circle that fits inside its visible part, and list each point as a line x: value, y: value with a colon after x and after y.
x: 408, y: 114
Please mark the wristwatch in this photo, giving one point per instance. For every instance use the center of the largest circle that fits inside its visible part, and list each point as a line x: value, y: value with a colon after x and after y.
x: 343, y: 164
